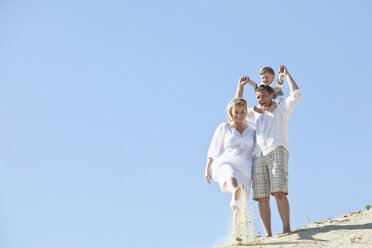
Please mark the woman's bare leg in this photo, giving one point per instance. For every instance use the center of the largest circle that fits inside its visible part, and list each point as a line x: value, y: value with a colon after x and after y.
x: 236, y: 191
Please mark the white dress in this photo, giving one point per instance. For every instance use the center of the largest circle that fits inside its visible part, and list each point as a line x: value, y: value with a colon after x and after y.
x: 232, y: 155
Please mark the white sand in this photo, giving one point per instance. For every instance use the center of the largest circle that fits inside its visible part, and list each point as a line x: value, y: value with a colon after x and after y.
x: 353, y: 229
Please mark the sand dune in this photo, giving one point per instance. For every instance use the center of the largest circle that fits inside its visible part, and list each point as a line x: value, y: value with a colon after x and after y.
x: 353, y: 229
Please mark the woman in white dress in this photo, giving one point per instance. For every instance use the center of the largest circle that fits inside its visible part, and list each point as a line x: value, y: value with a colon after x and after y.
x: 230, y: 156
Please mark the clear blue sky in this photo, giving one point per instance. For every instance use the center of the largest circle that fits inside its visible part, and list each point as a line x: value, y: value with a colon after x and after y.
x: 108, y: 107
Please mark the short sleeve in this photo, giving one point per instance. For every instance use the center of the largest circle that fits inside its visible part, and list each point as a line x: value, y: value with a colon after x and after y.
x: 216, y: 146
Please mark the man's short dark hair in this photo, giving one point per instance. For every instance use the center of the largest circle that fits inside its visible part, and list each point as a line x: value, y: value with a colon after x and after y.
x: 264, y: 87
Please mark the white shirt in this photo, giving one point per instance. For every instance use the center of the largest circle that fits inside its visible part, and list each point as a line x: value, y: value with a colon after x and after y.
x: 272, y: 128
x: 229, y: 142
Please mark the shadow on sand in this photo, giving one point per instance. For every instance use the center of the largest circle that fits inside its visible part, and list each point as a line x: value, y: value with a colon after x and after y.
x: 308, y: 233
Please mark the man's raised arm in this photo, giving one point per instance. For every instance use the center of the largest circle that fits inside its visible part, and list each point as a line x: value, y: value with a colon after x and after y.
x: 291, y: 83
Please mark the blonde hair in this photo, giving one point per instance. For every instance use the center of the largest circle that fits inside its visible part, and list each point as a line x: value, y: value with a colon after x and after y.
x: 235, y: 102
x: 266, y: 69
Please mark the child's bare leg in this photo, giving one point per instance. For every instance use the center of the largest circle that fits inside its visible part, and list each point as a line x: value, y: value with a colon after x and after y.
x: 258, y: 109
x: 272, y: 107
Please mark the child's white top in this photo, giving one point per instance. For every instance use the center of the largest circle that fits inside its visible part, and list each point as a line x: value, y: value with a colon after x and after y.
x: 275, y: 84
x: 277, y: 87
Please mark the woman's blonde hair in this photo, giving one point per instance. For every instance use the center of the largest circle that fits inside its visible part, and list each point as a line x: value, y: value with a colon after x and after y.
x: 235, y: 102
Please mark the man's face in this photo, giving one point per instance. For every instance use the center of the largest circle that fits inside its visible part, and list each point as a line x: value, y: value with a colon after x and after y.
x: 267, y: 78
x: 264, y: 98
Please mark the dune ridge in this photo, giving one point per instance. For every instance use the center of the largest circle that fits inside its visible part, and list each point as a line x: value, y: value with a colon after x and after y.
x: 353, y: 229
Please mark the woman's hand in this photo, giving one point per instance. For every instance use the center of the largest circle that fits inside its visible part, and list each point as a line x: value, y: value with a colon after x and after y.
x: 207, y: 174
x: 243, y: 81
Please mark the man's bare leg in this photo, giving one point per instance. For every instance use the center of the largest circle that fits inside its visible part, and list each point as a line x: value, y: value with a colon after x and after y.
x: 265, y: 214
x: 283, y: 207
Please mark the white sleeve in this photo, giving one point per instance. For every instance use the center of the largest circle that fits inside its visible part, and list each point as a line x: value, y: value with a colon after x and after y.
x: 251, y: 115
x: 216, y: 146
x: 278, y: 99
x: 292, y: 100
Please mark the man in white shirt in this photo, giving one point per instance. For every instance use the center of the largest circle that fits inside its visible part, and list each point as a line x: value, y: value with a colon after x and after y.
x: 270, y: 166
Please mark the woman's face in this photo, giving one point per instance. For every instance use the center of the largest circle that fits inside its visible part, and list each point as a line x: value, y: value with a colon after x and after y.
x: 239, y: 113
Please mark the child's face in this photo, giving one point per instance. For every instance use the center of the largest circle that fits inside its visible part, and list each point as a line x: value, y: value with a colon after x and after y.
x: 267, y: 78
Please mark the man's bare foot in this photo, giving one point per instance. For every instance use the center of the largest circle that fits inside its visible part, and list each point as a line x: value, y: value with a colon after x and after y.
x: 284, y: 234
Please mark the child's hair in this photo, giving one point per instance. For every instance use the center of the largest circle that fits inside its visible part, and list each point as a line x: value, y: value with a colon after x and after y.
x: 234, y: 102
x: 264, y: 87
x: 266, y: 69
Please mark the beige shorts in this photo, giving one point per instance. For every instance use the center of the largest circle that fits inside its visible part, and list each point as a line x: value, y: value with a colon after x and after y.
x: 270, y: 173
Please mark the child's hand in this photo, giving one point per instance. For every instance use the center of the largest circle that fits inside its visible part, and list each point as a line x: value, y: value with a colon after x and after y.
x: 282, y: 71
x: 244, y: 80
